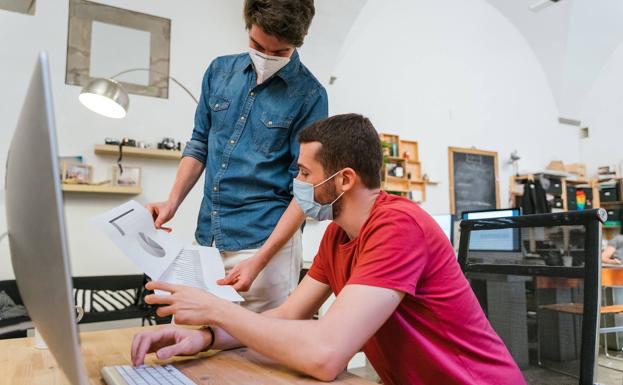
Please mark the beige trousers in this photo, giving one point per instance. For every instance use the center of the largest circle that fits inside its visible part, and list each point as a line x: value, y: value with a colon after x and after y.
x: 278, y: 279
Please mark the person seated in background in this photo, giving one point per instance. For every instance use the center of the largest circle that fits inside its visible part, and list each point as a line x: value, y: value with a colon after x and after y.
x: 401, y: 296
x: 613, y: 253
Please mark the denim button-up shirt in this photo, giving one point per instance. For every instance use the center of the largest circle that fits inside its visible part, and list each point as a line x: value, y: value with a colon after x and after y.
x: 247, y: 136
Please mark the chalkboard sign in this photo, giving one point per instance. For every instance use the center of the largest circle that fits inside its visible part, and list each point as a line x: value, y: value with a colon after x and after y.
x: 473, y: 180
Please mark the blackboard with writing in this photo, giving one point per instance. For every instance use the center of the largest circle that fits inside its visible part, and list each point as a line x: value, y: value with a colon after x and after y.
x: 473, y: 180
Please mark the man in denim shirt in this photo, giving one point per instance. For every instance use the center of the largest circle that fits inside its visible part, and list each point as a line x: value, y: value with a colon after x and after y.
x: 252, y: 107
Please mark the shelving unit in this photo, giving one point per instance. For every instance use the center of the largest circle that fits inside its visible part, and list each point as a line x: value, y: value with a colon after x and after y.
x: 100, y: 189
x: 612, y: 227
x: 402, y: 170
x: 109, y: 149
x: 560, y: 192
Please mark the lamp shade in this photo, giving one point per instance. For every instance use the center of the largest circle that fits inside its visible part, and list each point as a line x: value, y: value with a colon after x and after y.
x: 106, y: 97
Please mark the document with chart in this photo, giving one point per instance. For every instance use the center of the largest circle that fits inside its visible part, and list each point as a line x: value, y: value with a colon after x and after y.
x: 158, y: 254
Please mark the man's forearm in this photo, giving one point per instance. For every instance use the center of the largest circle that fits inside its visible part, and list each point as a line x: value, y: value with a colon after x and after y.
x: 188, y: 172
x: 288, y: 224
x: 298, y: 344
x: 224, y: 341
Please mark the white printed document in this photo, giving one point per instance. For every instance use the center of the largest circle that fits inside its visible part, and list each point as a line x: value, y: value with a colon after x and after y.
x: 200, y: 267
x: 158, y: 254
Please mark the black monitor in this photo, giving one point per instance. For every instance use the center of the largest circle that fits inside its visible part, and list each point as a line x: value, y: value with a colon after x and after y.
x: 505, y: 240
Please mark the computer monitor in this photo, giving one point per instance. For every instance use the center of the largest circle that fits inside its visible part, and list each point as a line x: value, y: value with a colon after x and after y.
x: 494, y: 240
x: 36, y: 226
x: 446, y: 222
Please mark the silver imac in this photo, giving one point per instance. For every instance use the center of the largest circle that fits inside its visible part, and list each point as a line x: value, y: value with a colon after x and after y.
x: 36, y: 226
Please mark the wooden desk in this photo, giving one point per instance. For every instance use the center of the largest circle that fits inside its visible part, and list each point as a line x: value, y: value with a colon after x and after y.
x: 21, y: 363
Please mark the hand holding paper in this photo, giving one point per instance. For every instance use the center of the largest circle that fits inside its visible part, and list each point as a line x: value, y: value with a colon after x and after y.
x: 131, y: 227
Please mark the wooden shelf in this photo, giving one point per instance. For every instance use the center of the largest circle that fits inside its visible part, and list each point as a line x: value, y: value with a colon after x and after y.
x: 101, y: 189
x: 578, y: 181
x: 405, y: 154
x: 616, y: 203
x: 152, y: 153
x: 395, y: 178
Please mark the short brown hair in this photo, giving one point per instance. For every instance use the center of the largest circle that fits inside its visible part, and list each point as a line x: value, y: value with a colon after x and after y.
x: 348, y: 140
x: 288, y: 20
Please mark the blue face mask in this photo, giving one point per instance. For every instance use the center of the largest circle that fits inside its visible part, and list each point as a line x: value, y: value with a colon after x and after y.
x: 304, y: 195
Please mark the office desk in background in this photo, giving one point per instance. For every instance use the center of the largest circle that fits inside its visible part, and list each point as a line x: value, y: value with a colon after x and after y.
x: 21, y: 363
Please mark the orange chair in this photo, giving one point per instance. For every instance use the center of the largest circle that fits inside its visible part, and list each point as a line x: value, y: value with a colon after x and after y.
x: 611, y: 277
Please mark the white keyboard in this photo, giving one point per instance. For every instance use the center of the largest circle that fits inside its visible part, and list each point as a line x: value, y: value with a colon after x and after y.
x: 144, y: 375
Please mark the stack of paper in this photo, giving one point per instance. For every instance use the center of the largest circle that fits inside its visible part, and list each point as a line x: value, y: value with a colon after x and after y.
x: 158, y: 254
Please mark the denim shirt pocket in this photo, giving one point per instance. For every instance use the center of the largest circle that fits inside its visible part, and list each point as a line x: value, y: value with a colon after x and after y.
x: 270, y: 134
x: 218, y: 111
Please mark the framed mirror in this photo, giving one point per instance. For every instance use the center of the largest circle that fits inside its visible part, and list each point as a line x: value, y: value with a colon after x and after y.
x: 21, y: 6
x: 103, y: 41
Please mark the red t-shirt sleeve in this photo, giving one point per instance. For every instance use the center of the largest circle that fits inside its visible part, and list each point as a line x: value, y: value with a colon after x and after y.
x: 392, y: 252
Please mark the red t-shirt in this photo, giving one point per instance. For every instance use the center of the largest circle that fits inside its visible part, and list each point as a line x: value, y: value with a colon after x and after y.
x: 439, y: 333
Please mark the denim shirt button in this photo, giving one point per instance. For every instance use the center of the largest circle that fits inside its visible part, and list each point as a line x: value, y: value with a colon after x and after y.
x: 242, y: 118
x: 215, y: 188
x: 223, y: 165
x: 252, y: 93
x: 214, y: 213
x: 270, y: 122
x: 232, y: 141
x: 216, y: 105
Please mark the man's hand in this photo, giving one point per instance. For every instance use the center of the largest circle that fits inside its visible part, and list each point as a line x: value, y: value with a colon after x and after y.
x: 189, y: 305
x: 241, y: 277
x: 608, y: 256
x: 162, y: 212
x: 611, y: 260
x: 168, y: 342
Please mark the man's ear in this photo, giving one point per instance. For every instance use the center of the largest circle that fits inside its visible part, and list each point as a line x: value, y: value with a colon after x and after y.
x: 349, y: 177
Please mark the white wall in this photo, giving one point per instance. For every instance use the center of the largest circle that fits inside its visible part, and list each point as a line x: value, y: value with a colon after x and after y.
x: 602, y: 112
x: 451, y: 73
x: 546, y: 31
x: 594, y: 34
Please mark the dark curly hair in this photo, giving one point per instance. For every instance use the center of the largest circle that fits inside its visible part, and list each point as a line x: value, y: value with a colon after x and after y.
x: 348, y: 140
x: 288, y: 20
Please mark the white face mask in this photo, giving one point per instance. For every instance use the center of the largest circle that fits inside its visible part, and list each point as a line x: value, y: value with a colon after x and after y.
x: 304, y: 195
x: 266, y: 65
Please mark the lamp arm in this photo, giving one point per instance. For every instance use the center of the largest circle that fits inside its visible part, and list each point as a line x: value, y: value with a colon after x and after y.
x: 160, y: 73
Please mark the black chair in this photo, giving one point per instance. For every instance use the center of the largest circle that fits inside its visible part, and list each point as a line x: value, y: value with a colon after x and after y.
x: 545, y: 309
x: 13, y: 327
x: 111, y: 298
x: 103, y: 298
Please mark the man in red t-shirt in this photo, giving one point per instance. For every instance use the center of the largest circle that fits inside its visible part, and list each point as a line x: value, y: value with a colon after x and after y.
x: 401, y: 296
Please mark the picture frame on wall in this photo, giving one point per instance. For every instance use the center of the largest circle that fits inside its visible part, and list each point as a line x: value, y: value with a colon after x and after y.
x: 117, y: 26
x: 130, y: 177
x: 76, y: 173
x: 26, y: 7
